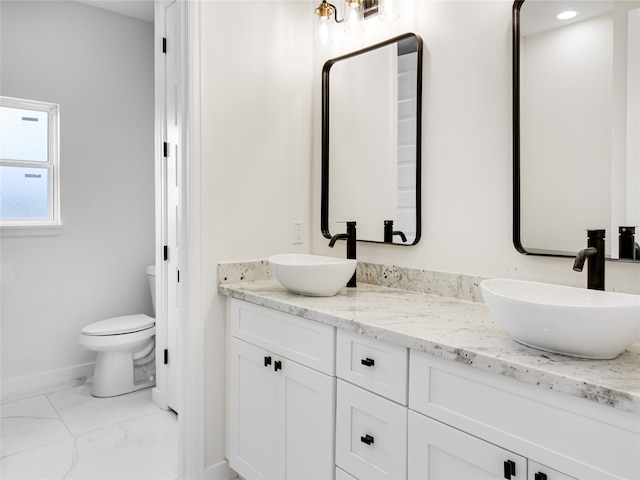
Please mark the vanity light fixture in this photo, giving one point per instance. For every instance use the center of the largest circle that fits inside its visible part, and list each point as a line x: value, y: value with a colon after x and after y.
x: 388, y: 10
x: 353, y: 16
x: 355, y: 12
x: 567, y: 15
x: 324, y: 22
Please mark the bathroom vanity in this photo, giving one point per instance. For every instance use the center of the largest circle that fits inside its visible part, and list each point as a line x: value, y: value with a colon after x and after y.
x: 378, y: 382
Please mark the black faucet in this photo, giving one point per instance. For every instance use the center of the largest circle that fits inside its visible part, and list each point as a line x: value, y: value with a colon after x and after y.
x: 594, y: 254
x: 389, y: 232
x: 627, y: 246
x: 350, y: 236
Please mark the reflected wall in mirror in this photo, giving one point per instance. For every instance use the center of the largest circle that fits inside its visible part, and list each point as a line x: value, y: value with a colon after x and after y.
x: 371, y: 142
x: 576, y: 120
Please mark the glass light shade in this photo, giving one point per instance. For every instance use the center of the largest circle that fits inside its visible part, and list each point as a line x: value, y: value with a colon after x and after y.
x: 353, y: 16
x: 323, y: 30
x: 388, y: 10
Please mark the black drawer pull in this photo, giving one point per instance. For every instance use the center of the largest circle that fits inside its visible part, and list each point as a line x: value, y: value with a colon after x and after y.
x: 267, y: 361
x: 367, y: 362
x: 368, y: 439
x: 540, y: 476
x: 509, y: 469
x: 277, y: 365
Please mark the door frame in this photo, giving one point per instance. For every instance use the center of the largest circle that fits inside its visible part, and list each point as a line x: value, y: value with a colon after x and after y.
x: 191, y: 388
x: 191, y: 394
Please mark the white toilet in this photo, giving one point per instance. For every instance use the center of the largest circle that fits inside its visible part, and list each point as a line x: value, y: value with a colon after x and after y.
x: 126, y: 350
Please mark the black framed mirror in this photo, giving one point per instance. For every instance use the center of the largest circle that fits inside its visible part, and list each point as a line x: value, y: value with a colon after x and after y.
x: 576, y: 156
x: 371, y: 142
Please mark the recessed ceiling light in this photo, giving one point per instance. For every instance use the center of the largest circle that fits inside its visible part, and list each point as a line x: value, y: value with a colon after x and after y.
x: 567, y: 15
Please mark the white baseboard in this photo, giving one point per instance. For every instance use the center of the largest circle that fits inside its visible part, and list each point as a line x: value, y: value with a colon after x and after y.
x: 17, y: 387
x: 220, y: 471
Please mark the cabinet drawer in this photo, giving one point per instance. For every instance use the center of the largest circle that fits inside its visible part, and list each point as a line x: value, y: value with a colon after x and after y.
x: 375, y: 365
x: 371, y: 434
x: 342, y: 475
x: 307, y: 342
x: 567, y: 433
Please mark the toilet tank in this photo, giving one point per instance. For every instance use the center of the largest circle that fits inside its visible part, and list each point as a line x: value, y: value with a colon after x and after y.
x: 151, y: 275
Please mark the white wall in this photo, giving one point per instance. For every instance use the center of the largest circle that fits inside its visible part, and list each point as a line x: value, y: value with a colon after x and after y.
x: 362, y: 146
x: 99, y: 67
x: 255, y: 149
x: 565, y: 141
x: 632, y: 216
x: 260, y: 86
x: 260, y: 115
x: 467, y: 142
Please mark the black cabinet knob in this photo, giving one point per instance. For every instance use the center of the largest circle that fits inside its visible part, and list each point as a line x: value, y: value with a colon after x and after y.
x: 509, y: 469
x: 368, y: 439
x: 277, y: 365
x: 367, y: 362
x: 267, y: 361
x: 540, y: 476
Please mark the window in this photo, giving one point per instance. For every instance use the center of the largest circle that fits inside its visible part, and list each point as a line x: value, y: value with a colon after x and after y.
x: 29, y: 168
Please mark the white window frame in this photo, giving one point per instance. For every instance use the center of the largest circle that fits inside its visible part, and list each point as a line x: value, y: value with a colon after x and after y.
x: 52, y: 224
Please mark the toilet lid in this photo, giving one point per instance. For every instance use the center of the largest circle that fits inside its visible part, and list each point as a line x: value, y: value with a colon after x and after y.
x: 119, y: 325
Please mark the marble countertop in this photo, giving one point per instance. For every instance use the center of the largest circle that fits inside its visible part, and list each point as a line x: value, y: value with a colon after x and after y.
x: 459, y: 330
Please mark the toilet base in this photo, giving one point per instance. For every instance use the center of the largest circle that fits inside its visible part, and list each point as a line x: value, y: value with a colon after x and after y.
x: 114, y: 375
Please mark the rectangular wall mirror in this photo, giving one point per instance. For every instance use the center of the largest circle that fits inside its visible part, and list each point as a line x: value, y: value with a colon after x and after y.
x: 576, y: 102
x: 371, y: 142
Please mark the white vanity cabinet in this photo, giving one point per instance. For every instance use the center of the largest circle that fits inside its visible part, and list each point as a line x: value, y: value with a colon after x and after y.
x: 280, y: 395
x: 309, y: 400
x: 371, y: 412
x: 456, y: 409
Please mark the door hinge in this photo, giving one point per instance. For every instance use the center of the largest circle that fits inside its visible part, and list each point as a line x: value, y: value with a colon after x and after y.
x: 165, y: 253
x: 166, y: 356
x: 164, y: 45
x: 165, y: 147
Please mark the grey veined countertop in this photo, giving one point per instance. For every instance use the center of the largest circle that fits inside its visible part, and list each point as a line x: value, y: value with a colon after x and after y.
x: 459, y: 330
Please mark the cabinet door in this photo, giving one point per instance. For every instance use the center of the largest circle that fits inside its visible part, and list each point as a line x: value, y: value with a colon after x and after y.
x: 281, y: 416
x: 440, y: 452
x: 305, y: 419
x: 538, y: 471
x: 251, y: 447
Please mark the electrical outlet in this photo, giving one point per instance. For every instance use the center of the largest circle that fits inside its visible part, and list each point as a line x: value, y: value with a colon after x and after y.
x: 298, y: 231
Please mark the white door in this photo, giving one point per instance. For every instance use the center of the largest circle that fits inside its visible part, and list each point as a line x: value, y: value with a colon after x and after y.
x: 172, y: 185
x: 438, y: 451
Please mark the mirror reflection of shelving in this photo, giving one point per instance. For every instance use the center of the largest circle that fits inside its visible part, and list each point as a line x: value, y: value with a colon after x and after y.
x: 371, y: 142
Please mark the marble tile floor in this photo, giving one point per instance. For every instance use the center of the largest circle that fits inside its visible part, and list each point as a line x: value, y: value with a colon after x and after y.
x: 68, y: 434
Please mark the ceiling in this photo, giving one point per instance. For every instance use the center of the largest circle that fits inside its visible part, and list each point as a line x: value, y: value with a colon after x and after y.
x: 537, y: 16
x: 140, y: 9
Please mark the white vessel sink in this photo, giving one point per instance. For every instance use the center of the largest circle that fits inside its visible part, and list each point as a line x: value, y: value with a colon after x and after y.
x: 567, y: 320
x: 312, y: 275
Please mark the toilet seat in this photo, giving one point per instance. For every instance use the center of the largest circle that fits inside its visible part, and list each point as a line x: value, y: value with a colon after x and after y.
x: 120, y: 325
